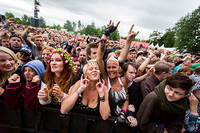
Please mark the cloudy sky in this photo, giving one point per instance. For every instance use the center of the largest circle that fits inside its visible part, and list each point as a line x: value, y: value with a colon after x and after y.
x: 147, y: 15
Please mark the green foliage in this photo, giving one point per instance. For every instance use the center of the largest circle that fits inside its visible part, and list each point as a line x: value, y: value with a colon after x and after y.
x: 91, y: 30
x: 188, y: 32
x: 185, y: 34
x: 168, y: 39
x: 115, y: 35
x: 9, y: 15
x: 68, y: 26
x: 155, y: 38
x: 71, y: 26
x: 25, y: 20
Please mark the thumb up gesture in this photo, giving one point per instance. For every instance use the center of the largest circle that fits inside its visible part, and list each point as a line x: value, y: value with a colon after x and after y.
x: 43, y: 94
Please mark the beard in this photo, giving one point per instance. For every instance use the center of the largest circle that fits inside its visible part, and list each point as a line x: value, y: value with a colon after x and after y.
x: 39, y: 47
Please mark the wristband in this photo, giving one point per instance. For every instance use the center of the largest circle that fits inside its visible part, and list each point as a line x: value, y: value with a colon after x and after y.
x: 78, y: 93
x: 123, y: 109
x: 102, y: 99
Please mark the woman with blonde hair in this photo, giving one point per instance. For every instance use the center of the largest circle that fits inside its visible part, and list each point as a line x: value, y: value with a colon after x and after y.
x: 89, y: 95
x: 8, y: 65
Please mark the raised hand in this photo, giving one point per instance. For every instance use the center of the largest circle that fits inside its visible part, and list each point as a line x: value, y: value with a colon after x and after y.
x: 57, y: 92
x: 100, y: 87
x: 131, y: 34
x: 43, y: 94
x: 151, y: 71
x: 83, y: 84
x: 36, y: 79
x: 111, y: 28
x: 193, y: 104
x: 15, y: 78
x: 132, y: 120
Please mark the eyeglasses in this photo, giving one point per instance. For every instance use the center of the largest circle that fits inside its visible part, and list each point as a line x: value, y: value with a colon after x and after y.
x: 174, y: 91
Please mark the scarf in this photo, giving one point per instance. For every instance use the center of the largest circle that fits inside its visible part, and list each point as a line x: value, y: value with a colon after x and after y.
x: 175, y: 107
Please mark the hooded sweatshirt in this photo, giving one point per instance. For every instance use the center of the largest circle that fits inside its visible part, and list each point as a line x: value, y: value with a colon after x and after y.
x: 22, y: 94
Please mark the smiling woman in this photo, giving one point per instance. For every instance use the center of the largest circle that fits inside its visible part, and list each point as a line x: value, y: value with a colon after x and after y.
x: 88, y: 95
x: 57, y: 78
x: 8, y: 64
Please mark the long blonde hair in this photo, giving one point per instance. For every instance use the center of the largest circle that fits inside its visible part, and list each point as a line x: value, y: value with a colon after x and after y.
x: 5, y: 75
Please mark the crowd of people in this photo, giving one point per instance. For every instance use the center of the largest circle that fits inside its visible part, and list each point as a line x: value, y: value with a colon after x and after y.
x: 153, y: 89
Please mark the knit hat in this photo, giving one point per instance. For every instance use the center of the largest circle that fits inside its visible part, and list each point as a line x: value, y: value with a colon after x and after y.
x: 37, y: 66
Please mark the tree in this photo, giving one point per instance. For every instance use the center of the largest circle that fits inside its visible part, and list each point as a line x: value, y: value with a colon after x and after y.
x: 68, y: 25
x: 9, y: 15
x: 188, y: 32
x: 115, y: 35
x: 25, y: 20
x: 155, y: 38
x: 43, y: 22
x: 74, y: 26
x: 168, y: 39
x: 91, y: 30
x: 80, y: 26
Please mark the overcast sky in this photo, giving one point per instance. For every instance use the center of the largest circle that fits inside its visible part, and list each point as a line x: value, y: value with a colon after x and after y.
x: 147, y: 15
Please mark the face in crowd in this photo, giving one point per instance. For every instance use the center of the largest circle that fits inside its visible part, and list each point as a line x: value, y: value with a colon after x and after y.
x: 92, y: 72
x: 15, y: 43
x: 56, y: 63
x: 130, y: 73
x: 93, y: 53
x: 6, y: 62
x: 23, y: 56
x: 5, y: 43
x: 132, y: 55
x: 112, y: 69
x: 29, y: 73
x: 174, y: 94
x: 38, y: 42
x: 45, y: 56
x: 77, y: 65
x: 82, y: 56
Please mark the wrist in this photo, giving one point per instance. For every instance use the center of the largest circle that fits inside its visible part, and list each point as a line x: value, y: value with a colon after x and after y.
x: 80, y: 89
x: 101, y: 94
x: 102, y: 99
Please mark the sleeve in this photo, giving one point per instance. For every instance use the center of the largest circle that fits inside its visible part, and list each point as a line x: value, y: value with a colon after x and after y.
x: 31, y: 102
x: 144, y: 115
x: 145, y: 89
x: 192, y: 122
x: 12, y: 95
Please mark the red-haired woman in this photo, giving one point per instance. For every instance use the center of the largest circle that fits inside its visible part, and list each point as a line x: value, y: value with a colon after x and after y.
x: 57, y: 78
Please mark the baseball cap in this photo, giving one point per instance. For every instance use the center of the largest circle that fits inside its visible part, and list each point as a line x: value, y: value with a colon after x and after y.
x: 26, y: 50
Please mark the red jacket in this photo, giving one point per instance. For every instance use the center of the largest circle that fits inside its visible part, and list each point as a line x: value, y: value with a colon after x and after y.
x: 22, y: 95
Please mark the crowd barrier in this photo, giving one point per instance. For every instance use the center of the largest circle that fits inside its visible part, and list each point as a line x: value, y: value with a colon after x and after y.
x: 50, y: 120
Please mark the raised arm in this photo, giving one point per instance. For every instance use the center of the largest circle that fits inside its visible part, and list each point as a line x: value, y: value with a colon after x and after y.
x: 73, y: 95
x: 24, y: 36
x: 125, y: 50
x: 104, y: 107
x: 100, y: 52
x: 145, y: 63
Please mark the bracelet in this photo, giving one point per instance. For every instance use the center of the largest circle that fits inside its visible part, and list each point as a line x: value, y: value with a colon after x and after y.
x: 77, y: 92
x: 102, y: 99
